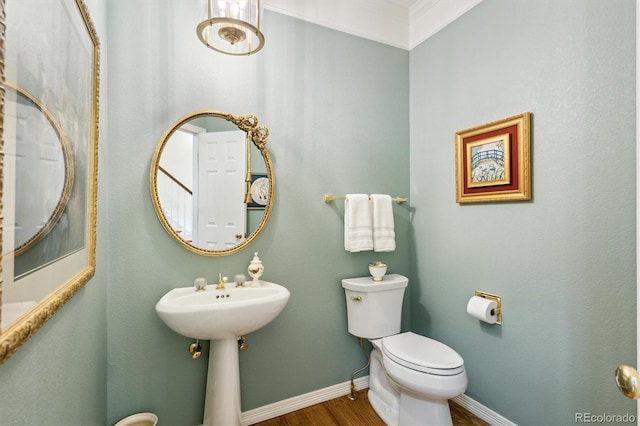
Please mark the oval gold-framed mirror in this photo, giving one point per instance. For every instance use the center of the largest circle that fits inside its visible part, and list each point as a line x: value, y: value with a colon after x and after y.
x: 212, y: 181
x: 45, y: 174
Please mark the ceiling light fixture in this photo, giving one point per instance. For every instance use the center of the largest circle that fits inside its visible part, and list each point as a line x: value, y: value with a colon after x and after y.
x: 231, y: 26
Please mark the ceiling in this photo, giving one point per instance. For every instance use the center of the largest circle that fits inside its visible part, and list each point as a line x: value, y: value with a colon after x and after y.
x: 400, y: 23
x: 404, y: 3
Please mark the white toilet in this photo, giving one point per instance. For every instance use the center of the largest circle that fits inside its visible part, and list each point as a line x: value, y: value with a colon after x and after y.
x: 411, y: 377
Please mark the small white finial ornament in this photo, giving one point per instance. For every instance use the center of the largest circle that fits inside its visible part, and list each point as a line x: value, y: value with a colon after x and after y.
x: 255, y: 269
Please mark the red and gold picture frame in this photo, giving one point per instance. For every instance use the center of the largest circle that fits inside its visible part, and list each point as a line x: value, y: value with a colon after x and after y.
x: 493, y: 161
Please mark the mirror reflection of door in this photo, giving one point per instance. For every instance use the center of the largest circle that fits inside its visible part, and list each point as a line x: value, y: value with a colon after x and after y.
x: 201, y: 186
x: 222, y: 213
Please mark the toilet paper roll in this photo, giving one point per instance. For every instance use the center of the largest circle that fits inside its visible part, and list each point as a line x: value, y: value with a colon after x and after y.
x: 482, y: 308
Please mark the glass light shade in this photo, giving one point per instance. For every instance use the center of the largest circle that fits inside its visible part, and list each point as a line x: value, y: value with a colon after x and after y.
x: 231, y: 26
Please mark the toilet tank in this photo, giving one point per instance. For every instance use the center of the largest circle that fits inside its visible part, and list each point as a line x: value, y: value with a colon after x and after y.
x: 374, y: 308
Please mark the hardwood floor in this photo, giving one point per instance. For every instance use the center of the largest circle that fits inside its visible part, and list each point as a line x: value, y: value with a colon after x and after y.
x: 344, y: 412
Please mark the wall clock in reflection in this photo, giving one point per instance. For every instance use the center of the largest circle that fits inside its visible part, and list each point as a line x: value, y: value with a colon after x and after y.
x: 260, y: 192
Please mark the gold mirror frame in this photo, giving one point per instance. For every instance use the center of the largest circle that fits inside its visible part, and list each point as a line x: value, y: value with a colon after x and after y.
x: 67, y: 156
x: 257, y: 134
x: 20, y: 330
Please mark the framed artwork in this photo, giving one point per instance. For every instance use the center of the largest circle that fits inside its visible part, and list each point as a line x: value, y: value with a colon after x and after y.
x: 260, y: 192
x: 493, y: 161
x: 49, y: 140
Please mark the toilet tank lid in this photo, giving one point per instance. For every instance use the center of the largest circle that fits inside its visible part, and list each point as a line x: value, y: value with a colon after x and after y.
x: 367, y: 284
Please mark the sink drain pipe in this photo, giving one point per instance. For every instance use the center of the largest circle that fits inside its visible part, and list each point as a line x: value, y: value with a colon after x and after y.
x: 242, y: 343
x: 195, y: 349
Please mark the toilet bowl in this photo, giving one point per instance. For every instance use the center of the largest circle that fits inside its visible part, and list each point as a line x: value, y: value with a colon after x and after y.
x: 139, y: 419
x: 428, y: 373
x: 424, y: 365
x: 411, y: 377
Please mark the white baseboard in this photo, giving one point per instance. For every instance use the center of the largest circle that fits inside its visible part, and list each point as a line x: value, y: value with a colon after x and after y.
x: 484, y: 413
x: 299, y: 402
x: 283, y: 407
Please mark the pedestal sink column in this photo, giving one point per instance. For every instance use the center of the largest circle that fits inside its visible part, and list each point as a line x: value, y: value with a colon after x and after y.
x: 222, y: 400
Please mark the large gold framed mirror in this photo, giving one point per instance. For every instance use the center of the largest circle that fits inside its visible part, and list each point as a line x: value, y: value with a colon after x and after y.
x: 49, y: 138
x: 212, y: 181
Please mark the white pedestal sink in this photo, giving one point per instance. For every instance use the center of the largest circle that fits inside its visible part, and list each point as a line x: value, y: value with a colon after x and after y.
x: 221, y: 316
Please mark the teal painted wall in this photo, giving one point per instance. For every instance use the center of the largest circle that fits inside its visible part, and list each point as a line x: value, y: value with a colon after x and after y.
x: 564, y: 263
x: 338, y: 122
x: 59, y: 376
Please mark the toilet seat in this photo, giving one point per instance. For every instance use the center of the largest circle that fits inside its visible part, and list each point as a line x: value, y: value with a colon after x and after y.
x: 422, y: 354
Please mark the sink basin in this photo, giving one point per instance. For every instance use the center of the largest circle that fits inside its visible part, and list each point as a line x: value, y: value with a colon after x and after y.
x: 221, y: 314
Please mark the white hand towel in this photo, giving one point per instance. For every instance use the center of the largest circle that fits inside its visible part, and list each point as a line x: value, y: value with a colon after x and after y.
x: 358, y: 229
x: 384, y: 234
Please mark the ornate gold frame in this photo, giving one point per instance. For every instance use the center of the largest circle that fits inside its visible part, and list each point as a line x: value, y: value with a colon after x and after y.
x: 16, y: 334
x: 515, y: 132
x: 257, y: 134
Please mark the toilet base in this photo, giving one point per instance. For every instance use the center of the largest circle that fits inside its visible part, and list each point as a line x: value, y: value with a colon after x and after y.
x: 388, y: 413
x: 383, y: 395
x: 416, y: 409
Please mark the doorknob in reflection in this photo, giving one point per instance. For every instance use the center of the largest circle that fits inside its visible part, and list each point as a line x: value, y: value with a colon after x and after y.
x: 628, y: 381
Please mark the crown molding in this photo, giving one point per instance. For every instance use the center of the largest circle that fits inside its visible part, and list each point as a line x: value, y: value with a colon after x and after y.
x: 377, y: 20
x: 430, y: 16
x: 386, y: 21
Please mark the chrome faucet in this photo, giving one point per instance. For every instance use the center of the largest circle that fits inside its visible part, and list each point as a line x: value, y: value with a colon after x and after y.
x: 221, y: 281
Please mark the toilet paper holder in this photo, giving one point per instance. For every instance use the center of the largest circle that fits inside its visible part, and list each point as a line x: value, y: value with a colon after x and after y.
x: 498, y: 300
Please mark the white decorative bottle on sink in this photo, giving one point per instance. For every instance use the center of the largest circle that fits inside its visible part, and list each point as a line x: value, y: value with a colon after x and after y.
x: 255, y: 269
